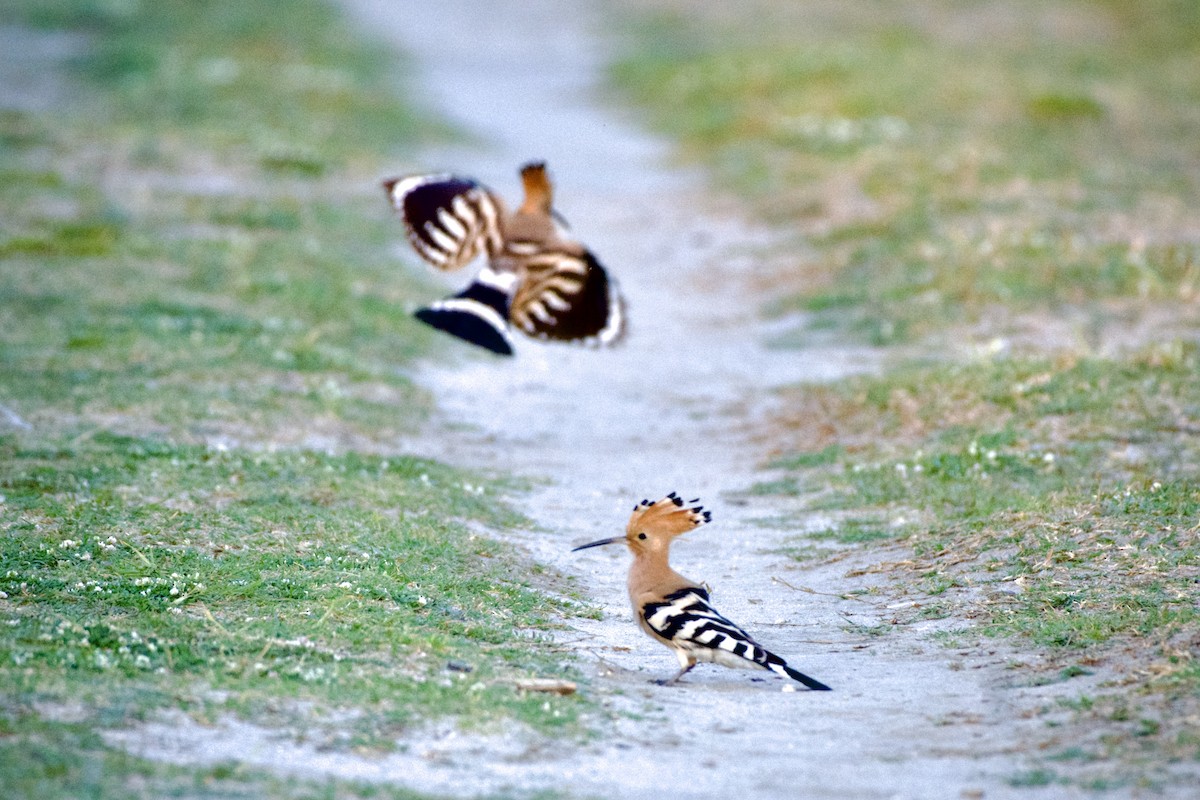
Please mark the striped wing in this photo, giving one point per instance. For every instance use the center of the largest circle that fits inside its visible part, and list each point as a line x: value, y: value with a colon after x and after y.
x: 568, y: 297
x: 449, y: 219
x: 687, y: 620
x: 689, y: 623
x: 477, y: 314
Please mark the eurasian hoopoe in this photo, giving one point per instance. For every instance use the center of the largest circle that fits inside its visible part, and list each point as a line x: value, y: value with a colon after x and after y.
x: 537, y: 276
x: 676, y: 611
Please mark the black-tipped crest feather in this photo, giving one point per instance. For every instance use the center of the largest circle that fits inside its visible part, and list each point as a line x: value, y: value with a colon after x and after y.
x: 676, y: 611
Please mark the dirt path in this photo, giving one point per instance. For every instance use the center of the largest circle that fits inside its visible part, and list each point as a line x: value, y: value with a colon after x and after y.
x: 907, y: 719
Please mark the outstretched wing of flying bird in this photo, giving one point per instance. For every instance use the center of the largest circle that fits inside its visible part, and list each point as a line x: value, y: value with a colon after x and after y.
x: 567, y: 297
x: 449, y: 219
x: 477, y: 314
x: 536, y: 278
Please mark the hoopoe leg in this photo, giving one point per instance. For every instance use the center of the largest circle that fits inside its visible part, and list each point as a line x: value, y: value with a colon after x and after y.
x: 675, y: 678
x: 685, y: 662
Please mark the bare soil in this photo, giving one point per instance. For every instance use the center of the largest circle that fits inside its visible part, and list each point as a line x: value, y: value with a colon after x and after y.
x: 596, y: 431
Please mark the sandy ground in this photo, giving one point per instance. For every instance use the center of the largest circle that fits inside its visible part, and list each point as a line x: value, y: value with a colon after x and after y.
x: 600, y: 430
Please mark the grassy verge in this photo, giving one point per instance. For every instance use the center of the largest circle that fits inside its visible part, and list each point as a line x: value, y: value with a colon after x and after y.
x: 946, y: 164
x: 1052, y: 501
x: 138, y: 571
x: 191, y: 236
x: 1022, y: 177
x: 198, y: 305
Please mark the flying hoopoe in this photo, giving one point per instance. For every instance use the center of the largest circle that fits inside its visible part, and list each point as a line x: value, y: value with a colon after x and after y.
x: 537, y: 277
x: 676, y: 611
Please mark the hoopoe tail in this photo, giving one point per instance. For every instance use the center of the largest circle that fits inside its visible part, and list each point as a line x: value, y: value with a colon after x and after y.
x: 812, y: 683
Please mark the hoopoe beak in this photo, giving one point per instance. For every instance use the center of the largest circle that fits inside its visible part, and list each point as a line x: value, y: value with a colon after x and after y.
x: 613, y: 540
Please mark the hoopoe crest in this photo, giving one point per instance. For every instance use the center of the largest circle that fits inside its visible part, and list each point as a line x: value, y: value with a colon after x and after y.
x: 676, y: 611
x: 537, y: 277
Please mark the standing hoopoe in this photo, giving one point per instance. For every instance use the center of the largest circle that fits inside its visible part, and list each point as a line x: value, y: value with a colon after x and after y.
x: 537, y: 276
x: 675, y: 610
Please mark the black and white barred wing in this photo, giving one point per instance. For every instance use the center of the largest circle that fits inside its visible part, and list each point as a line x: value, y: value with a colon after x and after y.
x: 449, y: 219
x: 568, y: 297
x: 477, y: 314
x: 687, y: 620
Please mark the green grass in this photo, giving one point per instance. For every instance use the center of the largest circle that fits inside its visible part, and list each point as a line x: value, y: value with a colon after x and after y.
x: 941, y: 160
x: 205, y: 392
x: 138, y: 573
x: 1053, y: 471
x: 198, y: 242
x: 1062, y: 491
x: 1034, y: 778
x: 1009, y: 191
x: 856, y: 531
x: 293, y: 92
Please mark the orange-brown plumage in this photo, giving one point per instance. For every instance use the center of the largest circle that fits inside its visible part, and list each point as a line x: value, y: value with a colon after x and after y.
x: 539, y: 194
x: 538, y: 277
x: 676, y: 611
x: 651, y: 529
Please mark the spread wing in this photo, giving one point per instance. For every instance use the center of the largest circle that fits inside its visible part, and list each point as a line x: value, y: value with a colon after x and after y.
x: 568, y: 297
x: 477, y: 314
x: 449, y: 219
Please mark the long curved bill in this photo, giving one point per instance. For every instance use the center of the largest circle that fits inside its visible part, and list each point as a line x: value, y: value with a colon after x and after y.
x: 597, y: 544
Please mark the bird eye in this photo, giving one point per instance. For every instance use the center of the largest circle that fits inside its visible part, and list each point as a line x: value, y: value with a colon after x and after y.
x: 641, y: 536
